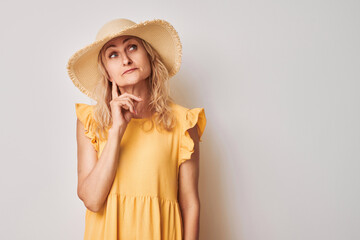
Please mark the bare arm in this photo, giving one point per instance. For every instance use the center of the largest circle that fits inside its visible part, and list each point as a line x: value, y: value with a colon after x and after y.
x: 188, y: 191
x: 95, y: 177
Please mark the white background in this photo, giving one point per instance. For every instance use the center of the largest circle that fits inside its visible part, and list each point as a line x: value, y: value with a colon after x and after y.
x: 279, y: 82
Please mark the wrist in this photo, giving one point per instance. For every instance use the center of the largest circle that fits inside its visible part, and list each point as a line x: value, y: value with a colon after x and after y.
x: 116, y: 130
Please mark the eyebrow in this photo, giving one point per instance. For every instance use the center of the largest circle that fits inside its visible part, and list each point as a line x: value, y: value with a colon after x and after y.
x: 112, y: 45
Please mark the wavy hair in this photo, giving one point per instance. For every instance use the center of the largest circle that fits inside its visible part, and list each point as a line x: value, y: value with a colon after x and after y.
x: 159, y: 90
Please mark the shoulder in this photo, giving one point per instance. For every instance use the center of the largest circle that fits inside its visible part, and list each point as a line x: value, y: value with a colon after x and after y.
x: 190, y: 117
x: 84, y: 110
x: 84, y: 113
x: 178, y: 109
x: 186, y: 112
x: 83, y: 107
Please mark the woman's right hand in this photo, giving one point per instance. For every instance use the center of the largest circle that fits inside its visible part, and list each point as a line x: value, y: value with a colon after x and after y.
x: 122, y: 107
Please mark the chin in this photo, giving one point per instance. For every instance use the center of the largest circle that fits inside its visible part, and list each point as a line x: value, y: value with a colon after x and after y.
x: 131, y: 81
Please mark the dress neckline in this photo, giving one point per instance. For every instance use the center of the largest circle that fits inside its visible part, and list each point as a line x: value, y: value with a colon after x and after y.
x: 142, y: 119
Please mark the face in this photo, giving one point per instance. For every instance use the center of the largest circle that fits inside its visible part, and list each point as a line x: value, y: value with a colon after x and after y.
x: 122, y: 54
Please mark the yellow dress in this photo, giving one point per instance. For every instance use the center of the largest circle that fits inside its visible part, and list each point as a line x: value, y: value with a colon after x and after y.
x: 142, y: 203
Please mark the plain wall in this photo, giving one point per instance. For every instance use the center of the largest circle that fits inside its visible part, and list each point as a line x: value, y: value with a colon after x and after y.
x: 279, y: 82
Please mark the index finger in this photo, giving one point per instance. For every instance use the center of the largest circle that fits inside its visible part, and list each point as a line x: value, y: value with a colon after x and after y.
x: 114, y: 92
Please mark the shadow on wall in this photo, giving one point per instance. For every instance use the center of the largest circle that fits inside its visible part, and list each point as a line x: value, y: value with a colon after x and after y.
x: 215, y: 211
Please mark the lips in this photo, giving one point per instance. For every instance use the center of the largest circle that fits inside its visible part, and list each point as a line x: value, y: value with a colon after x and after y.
x: 129, y: 70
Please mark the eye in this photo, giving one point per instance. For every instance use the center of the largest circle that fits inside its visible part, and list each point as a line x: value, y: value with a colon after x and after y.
x: 133, y: 46
x: 112, y: 54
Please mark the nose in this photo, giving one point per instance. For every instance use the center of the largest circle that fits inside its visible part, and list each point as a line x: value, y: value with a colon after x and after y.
x: 126, y: 60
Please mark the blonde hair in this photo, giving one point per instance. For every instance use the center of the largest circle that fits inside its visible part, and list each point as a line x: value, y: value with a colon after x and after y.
x: 159, y: 90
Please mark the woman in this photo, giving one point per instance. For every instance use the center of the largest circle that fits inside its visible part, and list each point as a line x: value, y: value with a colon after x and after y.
x: 138, y: 151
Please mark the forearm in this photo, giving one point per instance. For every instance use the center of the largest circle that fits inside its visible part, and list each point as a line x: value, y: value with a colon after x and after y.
x: 191, y: 221
x: 97, y: 184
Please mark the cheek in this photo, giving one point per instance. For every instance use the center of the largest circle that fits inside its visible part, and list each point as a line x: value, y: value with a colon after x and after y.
x: 112, y: 70
x: 147, y: 65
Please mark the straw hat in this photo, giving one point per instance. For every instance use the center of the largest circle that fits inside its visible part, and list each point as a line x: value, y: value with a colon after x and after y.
x: 82, y: 65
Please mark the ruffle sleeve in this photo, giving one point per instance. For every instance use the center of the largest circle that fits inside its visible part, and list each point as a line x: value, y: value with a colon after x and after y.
x: 192, y: 117
x: 84, y: 114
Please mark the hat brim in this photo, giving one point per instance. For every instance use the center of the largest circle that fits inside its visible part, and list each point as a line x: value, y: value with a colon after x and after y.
x: 82, y: 65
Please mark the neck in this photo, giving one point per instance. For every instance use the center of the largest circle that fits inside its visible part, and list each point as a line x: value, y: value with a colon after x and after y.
x: 140, y: 90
